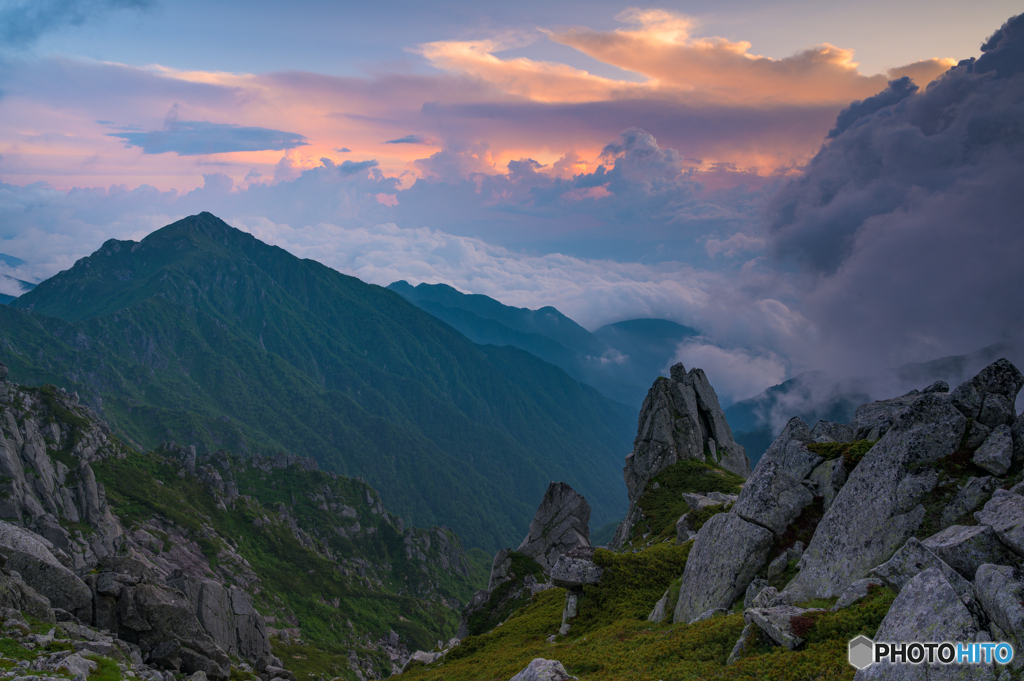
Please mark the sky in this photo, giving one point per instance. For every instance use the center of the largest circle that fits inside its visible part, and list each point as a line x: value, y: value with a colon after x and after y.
x: 808, y: 184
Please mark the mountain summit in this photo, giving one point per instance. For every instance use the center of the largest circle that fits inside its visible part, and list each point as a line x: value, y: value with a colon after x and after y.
x: 204, y: 334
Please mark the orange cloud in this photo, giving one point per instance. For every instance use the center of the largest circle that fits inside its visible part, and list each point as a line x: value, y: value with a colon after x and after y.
x: 662, y: 47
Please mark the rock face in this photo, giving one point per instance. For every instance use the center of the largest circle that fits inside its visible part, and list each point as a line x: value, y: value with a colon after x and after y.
x: 875, y: 512
x: 562, y: 522
x: 927, y: 609
x: 680, y: 419
x: 996, y: 453
x: 130, y: 601
x: 1004, y: 513
x: 726, y: 554
x: 32, y: 557
x: 227, y: 614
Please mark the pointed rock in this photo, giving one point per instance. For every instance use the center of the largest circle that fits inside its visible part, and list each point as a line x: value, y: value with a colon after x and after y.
x: 680, y: 419
x: 562, y: 523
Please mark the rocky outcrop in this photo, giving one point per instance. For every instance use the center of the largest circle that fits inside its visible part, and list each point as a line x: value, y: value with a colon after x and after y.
x: 40, y: 491
x: 879, y: 507
x: 129, y: 600
x: 680, y: 419
x: 562, y: 523
x: 988, y: 397
x: 32, y: 556
x: 227, y: 614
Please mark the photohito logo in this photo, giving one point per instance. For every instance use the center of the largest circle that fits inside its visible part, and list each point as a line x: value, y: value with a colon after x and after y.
x: 863, y: 652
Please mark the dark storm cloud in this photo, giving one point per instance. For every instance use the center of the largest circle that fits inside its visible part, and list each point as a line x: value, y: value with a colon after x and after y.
x: 908, y: 222
x: 195, y: 138
x: 21, y: 24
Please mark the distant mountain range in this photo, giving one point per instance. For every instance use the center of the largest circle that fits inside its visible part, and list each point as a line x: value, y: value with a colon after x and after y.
x: 204, y: 335
x: 621, y: 360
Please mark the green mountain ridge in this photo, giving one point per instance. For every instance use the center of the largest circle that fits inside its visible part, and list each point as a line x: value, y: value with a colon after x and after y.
x: 619, y: 359
x: 202, y: 334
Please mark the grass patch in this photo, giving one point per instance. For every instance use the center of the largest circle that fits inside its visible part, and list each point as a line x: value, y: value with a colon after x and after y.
x: 852, y: 452
x: 662, y: 502
x: 106, y: 669
x: 630, y: 586
x: 640, y: 650
x: 501, y: 603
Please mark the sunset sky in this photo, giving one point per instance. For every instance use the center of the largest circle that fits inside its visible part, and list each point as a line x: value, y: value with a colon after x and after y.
x: 612, y: 160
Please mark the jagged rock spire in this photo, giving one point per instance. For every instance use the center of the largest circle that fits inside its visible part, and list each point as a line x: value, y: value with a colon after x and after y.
x: 680, y: 419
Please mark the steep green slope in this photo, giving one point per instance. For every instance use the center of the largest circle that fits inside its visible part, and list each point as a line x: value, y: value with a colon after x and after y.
x: 202, y: 334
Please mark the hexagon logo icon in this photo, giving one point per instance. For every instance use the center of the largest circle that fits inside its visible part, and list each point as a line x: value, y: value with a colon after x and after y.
x: 862, y: 652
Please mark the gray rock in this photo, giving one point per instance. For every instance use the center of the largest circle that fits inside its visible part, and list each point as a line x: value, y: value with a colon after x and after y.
x: 421, y: 657
x: 778, y: 623
x: 927, y: 609
x: 569, y: 611
x: 914, y: 486
x: 996, y: 410
x: 789, y: 450
x: 769, y: 597
x: 679, y: 419
x: 826, y: 431
x: 1000, y: 590
x: 31, y: 556
x: 965, y: 549
x: 661, y: 608
x: 75, y: 664
x: 710, y: 614
x: 856, y: 592
x: 1004, y: 513
x: 499, y: 569
x: 227, y: 615
x: 865, y: 524
x: 871, y: 421
x: 543, y: 670
x: 726, y: 554
x: 937, y: 387
x: 3, y: 372
x: 974, y: 493
x: 1000, y: 378
x: 912, y: 559
x: 747, y: 639
x: 996, y: 454
x: 576, y: 568
x: 1017, y: 431
x: 753, y: 589
x: 683, y: 529
x: 562, y: 522
x: 778, y: 565
x: 977, y: 435
x: 771, y: 497
x: 828, y: 478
